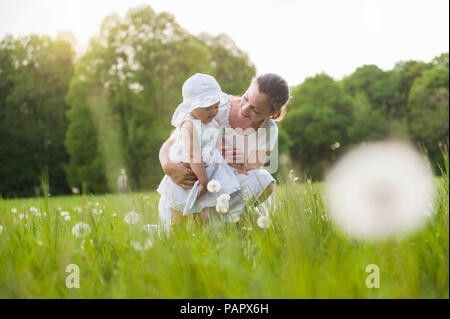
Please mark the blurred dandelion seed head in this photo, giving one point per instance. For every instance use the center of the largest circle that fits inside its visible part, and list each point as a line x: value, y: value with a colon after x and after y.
x: 132, y: 218
x: 81, y: 229
x: 379, y: 190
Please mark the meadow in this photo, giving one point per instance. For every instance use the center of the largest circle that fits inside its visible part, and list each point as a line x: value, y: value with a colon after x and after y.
x: 300, y: 255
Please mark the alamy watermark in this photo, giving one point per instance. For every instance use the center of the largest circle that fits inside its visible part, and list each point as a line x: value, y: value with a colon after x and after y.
x: 252, y: 146
x: 373, y: 280
x: 73, y: 279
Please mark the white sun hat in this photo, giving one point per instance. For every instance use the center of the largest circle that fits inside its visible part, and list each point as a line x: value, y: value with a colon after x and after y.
x: 200, y: 90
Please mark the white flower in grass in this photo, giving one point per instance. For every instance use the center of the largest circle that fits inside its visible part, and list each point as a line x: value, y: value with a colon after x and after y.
x: 222, y: 207
x: 83, y: 243
x: 148, y: 244
x: 44, y: 214
x: 292, y: 176
x: 213, y: 186
x: 1, y: 229
x: 67, y: 217
x: 64, y: 214
x: 23, y: 216
x: 429, y: 211
x: 234, y: 218
x: 34, y: 209
x: 81, y: 229
x: 132, y: 218
x: 153, y: 230
x: 139, y: 246
x: 97, y: 211
x: 75, y: 190
x: 224, y: 199
x: 379, y: 190
x: 39, y: 242
x: 14, y: 210
x: 264, y: 221
x: 114, y: 214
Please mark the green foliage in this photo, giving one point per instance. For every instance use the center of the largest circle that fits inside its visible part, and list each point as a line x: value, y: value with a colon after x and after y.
x: 302, y: 255
x: 320, y: 113
x: 428, y: 107
x: 35, y: 73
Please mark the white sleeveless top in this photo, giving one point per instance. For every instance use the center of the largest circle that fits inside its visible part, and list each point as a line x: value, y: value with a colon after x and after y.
x: 264, y: 139
x: 207, y: 138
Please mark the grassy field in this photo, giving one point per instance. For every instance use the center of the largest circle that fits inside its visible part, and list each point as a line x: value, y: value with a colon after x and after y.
x: 301, y: 255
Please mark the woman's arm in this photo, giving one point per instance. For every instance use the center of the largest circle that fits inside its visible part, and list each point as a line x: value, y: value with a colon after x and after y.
x: 180, y: 173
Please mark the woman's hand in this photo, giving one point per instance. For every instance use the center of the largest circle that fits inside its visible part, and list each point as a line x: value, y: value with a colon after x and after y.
x: 180, y: 173
x: 235, y: 157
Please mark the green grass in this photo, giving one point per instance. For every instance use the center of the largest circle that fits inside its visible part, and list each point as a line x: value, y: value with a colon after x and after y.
x: 302, y: 255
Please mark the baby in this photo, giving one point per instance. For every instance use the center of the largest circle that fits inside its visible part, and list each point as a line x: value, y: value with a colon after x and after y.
x: 196, y: 144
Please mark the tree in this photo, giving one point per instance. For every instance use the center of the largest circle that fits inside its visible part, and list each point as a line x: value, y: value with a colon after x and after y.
x: 320, y: 113
x: 428, y: 107
x: 35, y: 75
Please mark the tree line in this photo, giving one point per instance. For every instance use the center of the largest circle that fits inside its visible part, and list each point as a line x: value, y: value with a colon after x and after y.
x: 82, y: 119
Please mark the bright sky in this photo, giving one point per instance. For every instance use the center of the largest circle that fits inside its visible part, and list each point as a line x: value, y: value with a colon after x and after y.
x: 294, y: 38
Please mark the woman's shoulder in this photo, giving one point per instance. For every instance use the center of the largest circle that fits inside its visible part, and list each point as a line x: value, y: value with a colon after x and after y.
x: 224, y: 113
x: 269, y: 124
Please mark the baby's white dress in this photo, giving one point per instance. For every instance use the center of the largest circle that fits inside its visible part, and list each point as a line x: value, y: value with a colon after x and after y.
x: 185, y: 200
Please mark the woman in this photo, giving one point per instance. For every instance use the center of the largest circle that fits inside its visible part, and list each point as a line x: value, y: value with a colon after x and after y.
x: 249, y: 119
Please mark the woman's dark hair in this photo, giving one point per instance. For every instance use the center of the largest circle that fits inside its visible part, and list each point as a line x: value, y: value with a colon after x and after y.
x: 277, y: 91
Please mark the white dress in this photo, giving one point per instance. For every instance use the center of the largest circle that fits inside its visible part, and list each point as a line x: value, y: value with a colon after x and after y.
x: 185, y: 200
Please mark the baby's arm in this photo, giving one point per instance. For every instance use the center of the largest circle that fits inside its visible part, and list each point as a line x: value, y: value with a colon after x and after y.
x: 190, y: 142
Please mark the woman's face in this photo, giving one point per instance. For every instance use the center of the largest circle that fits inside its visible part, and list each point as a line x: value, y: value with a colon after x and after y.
x: 254, y: 105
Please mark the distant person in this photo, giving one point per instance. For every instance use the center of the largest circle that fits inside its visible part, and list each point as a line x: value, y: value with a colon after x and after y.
x: 122, y: 181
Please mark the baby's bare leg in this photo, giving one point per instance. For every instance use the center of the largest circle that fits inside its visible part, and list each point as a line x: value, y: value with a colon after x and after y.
x: 204, y: 215
x: 177, y: 217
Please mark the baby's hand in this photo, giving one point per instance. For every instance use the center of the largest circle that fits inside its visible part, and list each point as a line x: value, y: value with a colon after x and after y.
x: 202, y: 189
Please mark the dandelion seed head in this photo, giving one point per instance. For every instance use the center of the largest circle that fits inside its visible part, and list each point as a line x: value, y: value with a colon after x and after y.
x: 81, y: 229
x: 335, y: 146
x: 234, y: 218
x: 83, y: 243
x: 153, y: 230
x: 264, y: 221
x: 132, y: 218
x: 222, y: 207
x: 213, y: 186
x: 224, y: 198
x: 379, y: 190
